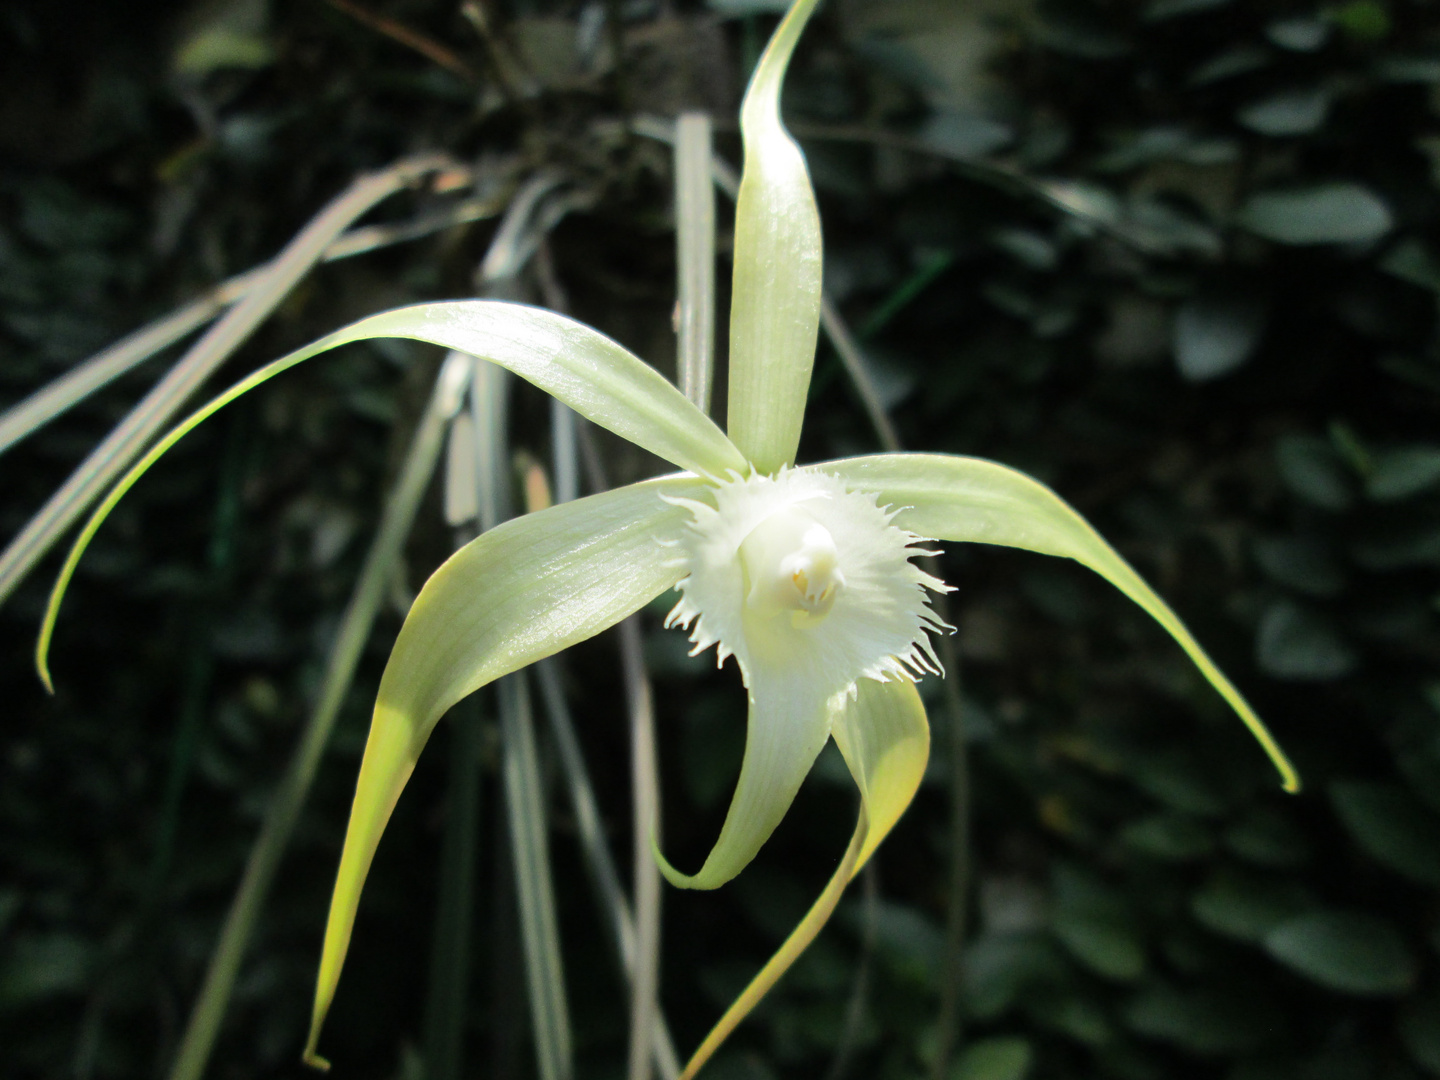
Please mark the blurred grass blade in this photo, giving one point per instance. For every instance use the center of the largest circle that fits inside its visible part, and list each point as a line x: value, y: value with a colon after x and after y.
x: 856, y: 367
x: 446, y: 1000
x: 645, y: 828
x: 285, y: 805
x: 524, y: 783
x: 775, y: 300
x: 695, y: 257
x: 525, y: 804
x: 604, y: 876
x: 970, y: 499
x: 142, y: 423
x: 90, y: 375
x: 598, y: 861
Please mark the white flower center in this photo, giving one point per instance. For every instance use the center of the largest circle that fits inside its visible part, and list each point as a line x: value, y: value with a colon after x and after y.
x: 791, y: 564
x: 797, y: 572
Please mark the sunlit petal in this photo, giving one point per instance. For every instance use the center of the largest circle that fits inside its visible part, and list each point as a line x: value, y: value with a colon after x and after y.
x: 884, y: 735
x: 775, y: 300
x: 789, y: 722
x: 522, y: 591
x: 960, y: 498
x: 579, y: 366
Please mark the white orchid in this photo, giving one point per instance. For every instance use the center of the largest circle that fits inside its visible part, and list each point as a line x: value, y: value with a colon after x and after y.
x: 803, y: 574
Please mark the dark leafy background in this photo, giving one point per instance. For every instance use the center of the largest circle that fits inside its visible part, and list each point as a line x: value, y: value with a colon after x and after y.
x: 1178, y: 258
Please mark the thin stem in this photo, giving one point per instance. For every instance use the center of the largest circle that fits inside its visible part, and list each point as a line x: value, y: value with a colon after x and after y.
x: 645, y: 788
x: 604, y: 876
x: 949, y: 1023
x: 446, y: 997
x: 695, y: 257
x: 534, y: 889
x: 412, y: 39
x: 856, y: 366
x: 860, y: 989
x: 128, y: 439
x: 289, y: 797
x: 524, y: 785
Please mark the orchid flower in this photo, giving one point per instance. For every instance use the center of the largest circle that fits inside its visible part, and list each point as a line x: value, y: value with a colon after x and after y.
x: 803, y: 574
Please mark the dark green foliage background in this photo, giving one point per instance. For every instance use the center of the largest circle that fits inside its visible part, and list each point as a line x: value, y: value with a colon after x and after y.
x: 1066, y: 253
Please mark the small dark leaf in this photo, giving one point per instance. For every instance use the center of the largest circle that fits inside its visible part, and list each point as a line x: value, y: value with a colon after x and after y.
x: 1215, y: 334
x: 1297, y: 643
x: 1299, y: 34
x: 1420, y: 1030
x: 1001, y: 1058
x: 1406, y: 471
x: 1247, y: 907
x: 1301, y: 563
x: 1392, y: 826
x: 1334, y: 213
x: 1350, y: 952
x: 1312, y: 469
x: 40, y: 967
x: 1293, y: 112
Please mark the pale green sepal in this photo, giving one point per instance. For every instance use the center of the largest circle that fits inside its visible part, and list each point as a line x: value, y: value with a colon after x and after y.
x: 581, y: 367
x: 520, y: 592
x: 775, y: 300
x: 885, y: 738
x: 577, y: 365
x: 788, y: 725
x: 961, y: 498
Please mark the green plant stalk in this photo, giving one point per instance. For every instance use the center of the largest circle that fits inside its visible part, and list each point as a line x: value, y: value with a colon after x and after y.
x: 128, y: 439
x: 604, y: 877
x: 200, y: 665
x: 855, y: 364
x: 370, y: 590
x: 445, y: 1001
x: 645, y: 791
x: 524, y: 784
x: 539, y: 931
x: 950, y: 1020
x: 695, y: 257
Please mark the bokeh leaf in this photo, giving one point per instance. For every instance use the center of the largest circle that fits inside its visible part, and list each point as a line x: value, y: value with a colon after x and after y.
x: 1352, y: 952
x: 1392, y: 825
x: 1333, y: 213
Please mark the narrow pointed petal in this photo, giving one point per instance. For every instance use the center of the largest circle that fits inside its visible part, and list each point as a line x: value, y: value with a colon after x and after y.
x: 885, y: 738
x: 960, y: 498
x: 575, y: 364
x: 592, y: 374
x: 798, y: 941
x: 529, y: 588
x: 789, y: 723
x: 775, y: 302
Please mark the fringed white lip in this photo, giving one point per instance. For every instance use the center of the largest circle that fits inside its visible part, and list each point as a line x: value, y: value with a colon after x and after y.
x: 795, y: 570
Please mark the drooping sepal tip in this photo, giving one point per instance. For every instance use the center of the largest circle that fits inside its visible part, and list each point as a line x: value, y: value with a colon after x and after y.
x: 312, y: 1060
